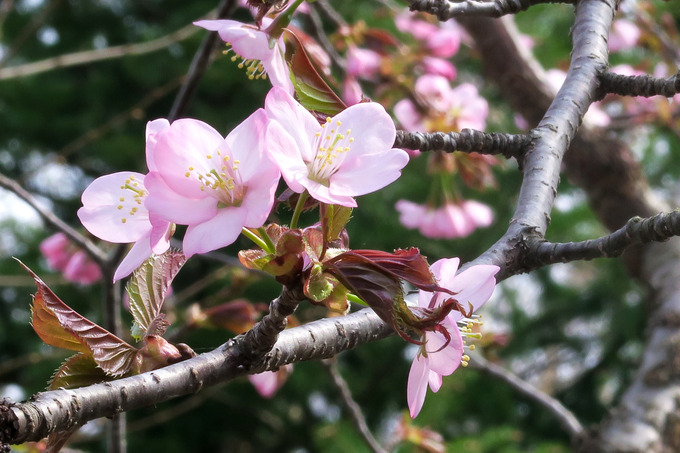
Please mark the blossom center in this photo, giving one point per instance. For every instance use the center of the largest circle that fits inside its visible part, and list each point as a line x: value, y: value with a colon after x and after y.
x: 220, y: 179
x: 254, y: 69
x: 129, y: 205
x: 331, y: 147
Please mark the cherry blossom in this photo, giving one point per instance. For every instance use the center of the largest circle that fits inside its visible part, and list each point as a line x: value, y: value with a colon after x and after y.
x: 62, y: 255
x: 268, y: 383
x: 440, y: 356
x: 261, y: 55
x: 350, y: 154
x: 113, y: 210
x: 447, y: 108
x: 363, y: 62
x: 624, y: 35
x: 215, y: 185
x: 450, y: 221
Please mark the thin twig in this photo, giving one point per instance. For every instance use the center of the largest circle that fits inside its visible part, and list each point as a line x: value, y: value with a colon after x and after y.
x: 566, y: 418
x: 91, y: 56
x: 355, y: 412
x: 658, y: 228
x: 81, y: 241
x: 642, y: 85
x: 199, y: 64
x: 29, y: 30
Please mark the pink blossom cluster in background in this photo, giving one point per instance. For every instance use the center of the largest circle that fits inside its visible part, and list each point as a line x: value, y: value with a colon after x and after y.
x: 442, y: 108
x: 450, y: 221
x: 63, y: 256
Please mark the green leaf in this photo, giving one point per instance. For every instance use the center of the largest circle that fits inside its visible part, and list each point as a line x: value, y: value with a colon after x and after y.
x: 147, y: 289
x: 334, y: 220
x: 310, y: 88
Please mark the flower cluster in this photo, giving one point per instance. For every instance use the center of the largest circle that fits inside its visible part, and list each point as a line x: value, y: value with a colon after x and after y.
x: 63, y: 256
x: 217, y: 186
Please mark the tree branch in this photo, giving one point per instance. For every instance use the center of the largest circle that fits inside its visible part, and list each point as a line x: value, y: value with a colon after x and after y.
x: 199, y: 63
x: 643, y: 85
x: 566, y: 418
x: 658, y: 228
x: 59, y: 410
x: 446, y: 9
x: 91, y: 56
x: 81, y: 241
x: 467, y: 140
x: 352, y: 407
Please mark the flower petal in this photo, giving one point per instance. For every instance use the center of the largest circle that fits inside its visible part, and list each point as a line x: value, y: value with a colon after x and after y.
x: 284, y: 150
x: 444, y: 360
x: 165, y: 203
x: 294, y: 119
x: 112, y: 212
x: 417, y: 385
x: 218, y: 232
x: 139, y: 253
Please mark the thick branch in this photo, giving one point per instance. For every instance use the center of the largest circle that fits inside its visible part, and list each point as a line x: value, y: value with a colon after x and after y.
x: 637, y: 231
x: 566, y: 418
x: 467, y: 140
x: 60, y: 409
x: 446, y: 9
x: 643, y: 85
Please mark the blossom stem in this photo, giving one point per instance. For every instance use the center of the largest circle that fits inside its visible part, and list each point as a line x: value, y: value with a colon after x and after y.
x: 282, y: 20
x: 271, y: 248
x: 356, y: 299
x: 247, y: 232
x: 298, y: 209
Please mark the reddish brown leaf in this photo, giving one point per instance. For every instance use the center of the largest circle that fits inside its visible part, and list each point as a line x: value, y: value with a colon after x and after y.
x: 112, y: 354
x: 311, y: 90
x: 79, y: 370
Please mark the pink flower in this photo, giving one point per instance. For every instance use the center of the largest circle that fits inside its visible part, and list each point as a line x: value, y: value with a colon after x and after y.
x: 351, y: 91
x: 63, y: 256
x: 440, y: 67
x: 447, y: 108
x: 442, y: 41
x: 450, y: 221
x: 350, y: 155
x: 81, y: 269
x: 624, y: 35
x: 363, y: 62
x: 260, y: 57
x: 113, y: 210
x: 214, y: 185
x: 440, y: 356
x: 56, y: 249
x: 268, y: 383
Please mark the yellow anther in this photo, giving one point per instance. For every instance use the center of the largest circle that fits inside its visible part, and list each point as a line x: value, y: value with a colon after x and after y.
x: 208, y: 156
x: 123, y: 220
x: 187, y: 174
x: 122, y: 198
x: 328, y: 119
x: 338, y: 122
x: 120, y: 206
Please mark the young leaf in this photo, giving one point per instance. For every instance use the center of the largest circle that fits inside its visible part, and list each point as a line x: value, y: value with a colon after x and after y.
x: 147, y: 289
x: 112, y: 354
x: 79, y: 370
x: 311, y: 90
